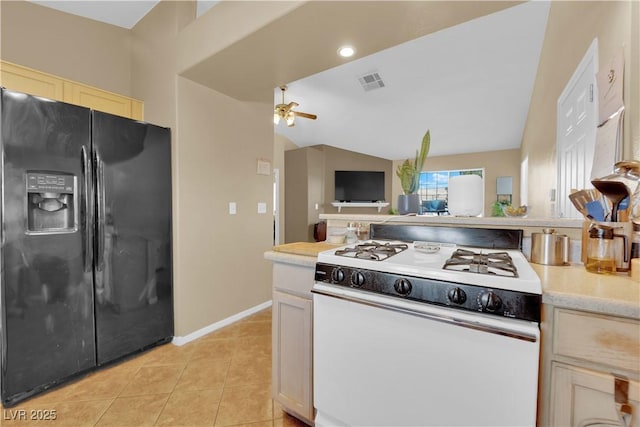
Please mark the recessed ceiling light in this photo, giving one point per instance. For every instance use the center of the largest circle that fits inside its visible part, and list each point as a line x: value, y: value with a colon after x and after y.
x: 346, y: 51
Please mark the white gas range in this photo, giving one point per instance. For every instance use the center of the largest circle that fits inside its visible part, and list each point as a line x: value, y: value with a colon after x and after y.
x: 425, y: 334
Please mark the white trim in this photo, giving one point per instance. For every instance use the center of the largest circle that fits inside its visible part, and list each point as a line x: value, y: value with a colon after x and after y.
x: 276, y: 205
x: 180, y: 341
x: 591, y: 55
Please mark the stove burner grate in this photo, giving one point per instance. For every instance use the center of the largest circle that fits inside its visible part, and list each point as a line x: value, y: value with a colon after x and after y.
x: 373, y: 251
x: 498, y: 263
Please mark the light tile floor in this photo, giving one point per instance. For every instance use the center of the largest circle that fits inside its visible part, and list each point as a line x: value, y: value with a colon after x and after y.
x: 221, y: 379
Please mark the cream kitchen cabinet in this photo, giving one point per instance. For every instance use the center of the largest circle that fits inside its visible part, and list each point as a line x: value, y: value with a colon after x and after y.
x: 102, y: 100
x: 23, y: 79
x: 585, y: 354
x: 582, y: 397
x: 34, y: 82
x: 292, y: 383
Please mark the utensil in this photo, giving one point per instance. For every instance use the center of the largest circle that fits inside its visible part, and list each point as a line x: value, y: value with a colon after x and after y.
x: 628, y: 168
x: 595, y: 210
x: 615, y: 191
x: 580, y: 198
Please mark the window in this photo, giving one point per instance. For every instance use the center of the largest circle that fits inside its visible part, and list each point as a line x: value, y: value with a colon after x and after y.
x: 434, y: 185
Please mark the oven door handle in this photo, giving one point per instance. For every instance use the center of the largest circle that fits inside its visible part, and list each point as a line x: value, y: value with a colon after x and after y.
x: 453, y: 320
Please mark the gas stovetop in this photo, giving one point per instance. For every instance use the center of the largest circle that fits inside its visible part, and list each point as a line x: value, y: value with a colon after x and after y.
x: 372, y: 250
x: 499, y: 263
x: 504, y: 269
x: 499, y: 282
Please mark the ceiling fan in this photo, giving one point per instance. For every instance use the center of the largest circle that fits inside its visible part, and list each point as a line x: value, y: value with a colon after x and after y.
x: 285, y: 111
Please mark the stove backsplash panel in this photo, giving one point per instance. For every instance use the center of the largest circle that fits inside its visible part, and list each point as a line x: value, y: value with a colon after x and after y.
x: 490, y: 238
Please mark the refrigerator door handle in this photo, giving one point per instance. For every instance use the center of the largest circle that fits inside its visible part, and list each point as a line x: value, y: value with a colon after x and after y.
x: 101, y: 210
x: 88, y: 218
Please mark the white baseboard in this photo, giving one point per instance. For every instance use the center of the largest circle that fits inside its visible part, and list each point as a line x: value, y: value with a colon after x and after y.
x: 179, y: 341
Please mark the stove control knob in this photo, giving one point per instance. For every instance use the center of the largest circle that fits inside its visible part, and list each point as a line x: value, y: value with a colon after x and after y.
x: 457, y: 296
x: 337, y: 275
x: 402, y: 286
x: 357, y: 279
x: 490, y: 301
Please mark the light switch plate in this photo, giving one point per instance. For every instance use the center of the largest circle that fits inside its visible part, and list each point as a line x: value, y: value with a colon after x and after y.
x: 232, y: 208
x: 262, y: 208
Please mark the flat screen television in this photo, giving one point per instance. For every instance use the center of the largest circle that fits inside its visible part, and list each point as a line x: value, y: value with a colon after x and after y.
x: 359, y: 186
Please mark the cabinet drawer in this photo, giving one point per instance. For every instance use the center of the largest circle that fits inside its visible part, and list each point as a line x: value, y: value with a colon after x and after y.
x: 611, y: 341
x: 295, y: 279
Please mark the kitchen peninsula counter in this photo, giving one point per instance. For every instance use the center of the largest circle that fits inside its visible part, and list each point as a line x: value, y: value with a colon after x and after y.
x: 298, y: 253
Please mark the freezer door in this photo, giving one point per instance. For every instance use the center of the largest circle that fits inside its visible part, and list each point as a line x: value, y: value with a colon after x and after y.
x: 46, y: 278
x: 134, y: 305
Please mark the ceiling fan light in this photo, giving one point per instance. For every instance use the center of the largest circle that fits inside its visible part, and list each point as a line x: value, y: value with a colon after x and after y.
x: 276, y: 118
x: 346, y: 51
x: 290, y: 119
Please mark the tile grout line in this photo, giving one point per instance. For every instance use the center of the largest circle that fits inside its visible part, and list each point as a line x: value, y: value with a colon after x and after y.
x: 224, y: 384
x: 170, y: 394
x: 104, y: 412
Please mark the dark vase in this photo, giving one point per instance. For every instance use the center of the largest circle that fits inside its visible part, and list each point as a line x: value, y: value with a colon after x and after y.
x: 408, y: 203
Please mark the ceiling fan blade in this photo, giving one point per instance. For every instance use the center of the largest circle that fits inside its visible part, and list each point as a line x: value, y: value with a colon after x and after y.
x: 305, y: 115
x: 292, y: 105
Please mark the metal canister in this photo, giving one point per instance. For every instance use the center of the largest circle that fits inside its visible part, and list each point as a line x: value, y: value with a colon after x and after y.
x: 549, y: 248
x: 635, y: 239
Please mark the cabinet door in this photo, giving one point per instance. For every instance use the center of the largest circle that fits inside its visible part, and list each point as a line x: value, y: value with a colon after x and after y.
x: 292, y: 340
x: 30, y: 81
x: 582, y: 398
x: 33, y: 82
x: 102, y: 100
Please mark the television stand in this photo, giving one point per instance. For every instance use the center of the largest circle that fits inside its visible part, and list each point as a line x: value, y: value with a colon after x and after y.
x: 341, y: 205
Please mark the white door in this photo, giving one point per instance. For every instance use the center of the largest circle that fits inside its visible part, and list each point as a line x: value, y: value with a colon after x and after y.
x: 577, y: 116
x: 276, y: 207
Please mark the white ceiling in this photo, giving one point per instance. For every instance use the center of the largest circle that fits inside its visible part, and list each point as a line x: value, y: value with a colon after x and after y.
x: 470, y: 84
x: 122, y: 13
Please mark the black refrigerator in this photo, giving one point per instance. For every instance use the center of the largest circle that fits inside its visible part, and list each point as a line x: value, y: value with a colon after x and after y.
x: 85, y: 255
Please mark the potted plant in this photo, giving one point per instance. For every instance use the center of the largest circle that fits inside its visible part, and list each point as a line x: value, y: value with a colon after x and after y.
x: 409, y: 174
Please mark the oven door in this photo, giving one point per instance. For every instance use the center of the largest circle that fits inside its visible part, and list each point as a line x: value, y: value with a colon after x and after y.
x: 391, y: 362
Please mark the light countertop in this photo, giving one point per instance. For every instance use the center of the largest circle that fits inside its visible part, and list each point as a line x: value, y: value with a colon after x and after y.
x: 568, y: 286
x: 298, y: 253
x: 574, y: 287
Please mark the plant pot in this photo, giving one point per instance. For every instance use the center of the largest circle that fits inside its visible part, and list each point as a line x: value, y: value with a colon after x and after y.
x: 408, y: 203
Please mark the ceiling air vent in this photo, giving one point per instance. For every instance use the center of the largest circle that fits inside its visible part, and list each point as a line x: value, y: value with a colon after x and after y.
x: 371, y: 81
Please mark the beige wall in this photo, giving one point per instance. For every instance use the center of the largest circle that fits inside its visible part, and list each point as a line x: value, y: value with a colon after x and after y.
x: 571, y: 28
x: 153, y: 56
x: 221, y: 267
x: 495, y: 164
x: 303, y: 190
x: 66, y: 45
x: 634, y: 83
x: 280, y: 145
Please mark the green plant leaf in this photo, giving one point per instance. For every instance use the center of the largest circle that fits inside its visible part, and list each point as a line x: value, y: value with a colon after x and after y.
x: 409, y: 172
